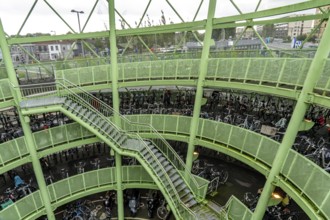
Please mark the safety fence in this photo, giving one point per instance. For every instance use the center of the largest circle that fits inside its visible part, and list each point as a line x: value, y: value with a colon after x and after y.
x: 62, y: 192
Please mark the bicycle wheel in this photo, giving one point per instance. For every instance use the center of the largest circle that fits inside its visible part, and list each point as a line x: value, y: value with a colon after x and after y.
x: 162, y: 212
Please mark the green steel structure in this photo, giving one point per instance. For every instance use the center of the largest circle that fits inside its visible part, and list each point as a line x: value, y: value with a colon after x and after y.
x: 299, y: 74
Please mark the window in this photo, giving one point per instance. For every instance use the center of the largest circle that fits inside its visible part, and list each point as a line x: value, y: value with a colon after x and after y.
x: 63, y: 48
x: 56, y: 47
x: 52, y: 48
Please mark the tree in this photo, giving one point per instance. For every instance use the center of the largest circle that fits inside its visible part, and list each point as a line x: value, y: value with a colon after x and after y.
x: 302, y: 37
x: 226, y: 33
x: 268, y: 30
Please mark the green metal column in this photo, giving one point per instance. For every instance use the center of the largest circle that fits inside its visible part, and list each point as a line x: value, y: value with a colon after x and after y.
x: 6, y: 57
x: 313, y: 75
x: 120, y: 194
x: 199, y: 89
x: 26, y: 127
x: 114, y: 63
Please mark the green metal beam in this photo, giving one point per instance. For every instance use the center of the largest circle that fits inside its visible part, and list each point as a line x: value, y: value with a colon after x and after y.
x: 50, y: 6
x: 37, y: 170
x: 300, y: 109
x: 168, y: 2
x: 26, y: 18
x: 114, y: 62
x: 120, y: 193
x: 274, y: 11
x: 199, y: 88
x: 89, y: 16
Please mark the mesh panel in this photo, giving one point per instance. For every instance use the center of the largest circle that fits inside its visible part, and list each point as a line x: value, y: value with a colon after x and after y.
x: 76, y: 183
x: 239, y: 69
x: 71, y: 75
x: 292, y: 66
x: 237, y: 210
x: 158, y: 122
x: 10, y: 213
x: 59, y: 134
x: 22, y: 145
x: 157, y: 68
x: 42, y: 139
x: 130, y: 71
x: 209, y: 129
x: 273, y: 70
x: 184, y: 125
x: 100, y: 73
x: 326, y: 206
x: 325, y: 76
x: 143, y: 70
x: 318, y: 185
x: 257, y: 68
x: 61, y: 189
x: 268, y: 151
x: 224, y: 68
x: 223, y: 131
x: 5, y: 91
x: 184, y: 68
x: 74, y: 131
x: 170, y: 124
x: 300, y: 167
x: 26, y: 206
x: 170, y: 68
x: 8, y: 151
x: 107, y: 177
x: 212, y: 68
x: 252, y: 143
x: 91, y: 179
x: 237, y: 137
x: 85, y: 75
x: 195, y: 68
x: 288, y: 162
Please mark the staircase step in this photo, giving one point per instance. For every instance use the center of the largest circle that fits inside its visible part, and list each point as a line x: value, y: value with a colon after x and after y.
x: 183, y: 192
x: 72, y: 106
x: 92, y: 117
x: 78, y: 109
x: 177, y: 182
x: 191, y: 203
x: 175, y: 177
x: 187, y: 198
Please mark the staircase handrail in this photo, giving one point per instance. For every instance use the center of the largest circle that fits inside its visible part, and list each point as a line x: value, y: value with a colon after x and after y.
x: 179, y: 202
x: 180, y: 165
x: 105, y: 111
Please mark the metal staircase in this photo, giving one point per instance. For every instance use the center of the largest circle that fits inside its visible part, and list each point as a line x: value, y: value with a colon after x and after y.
x: 183, y: 193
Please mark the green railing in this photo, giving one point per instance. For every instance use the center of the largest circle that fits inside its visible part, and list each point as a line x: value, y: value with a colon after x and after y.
x: 66, y: 190
x: 277, y: 71
x: 255, y: 145
x: 86, y: 100
x: 16, y: 149
x: 314, y: 186
x: 5, y: 91
x: 77, y: 94
x: 12, y: 150
x: 236, y: 210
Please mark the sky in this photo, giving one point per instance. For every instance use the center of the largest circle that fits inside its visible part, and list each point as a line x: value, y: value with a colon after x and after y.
x: 44, y: 20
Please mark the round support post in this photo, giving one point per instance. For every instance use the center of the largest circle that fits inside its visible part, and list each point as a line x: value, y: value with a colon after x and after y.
x: 300, y: 109
x: 199, y: 89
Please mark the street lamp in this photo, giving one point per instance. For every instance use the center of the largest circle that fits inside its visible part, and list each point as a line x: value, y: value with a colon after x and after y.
x: 79, y: 12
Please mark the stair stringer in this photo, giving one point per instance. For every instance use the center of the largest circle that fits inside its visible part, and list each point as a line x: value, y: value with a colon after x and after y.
x: 130, y: 153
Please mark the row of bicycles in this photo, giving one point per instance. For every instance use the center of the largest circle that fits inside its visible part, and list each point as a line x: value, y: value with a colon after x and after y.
x: 20, y: 189
x: 280, y: 211
x: 104, y: 207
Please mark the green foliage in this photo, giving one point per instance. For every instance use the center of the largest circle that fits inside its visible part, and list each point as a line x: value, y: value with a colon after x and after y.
x: 302, y: 37
x: 268, y: 30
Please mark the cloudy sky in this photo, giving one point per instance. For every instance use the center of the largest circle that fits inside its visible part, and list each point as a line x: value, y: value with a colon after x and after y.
x: 43, y: 19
